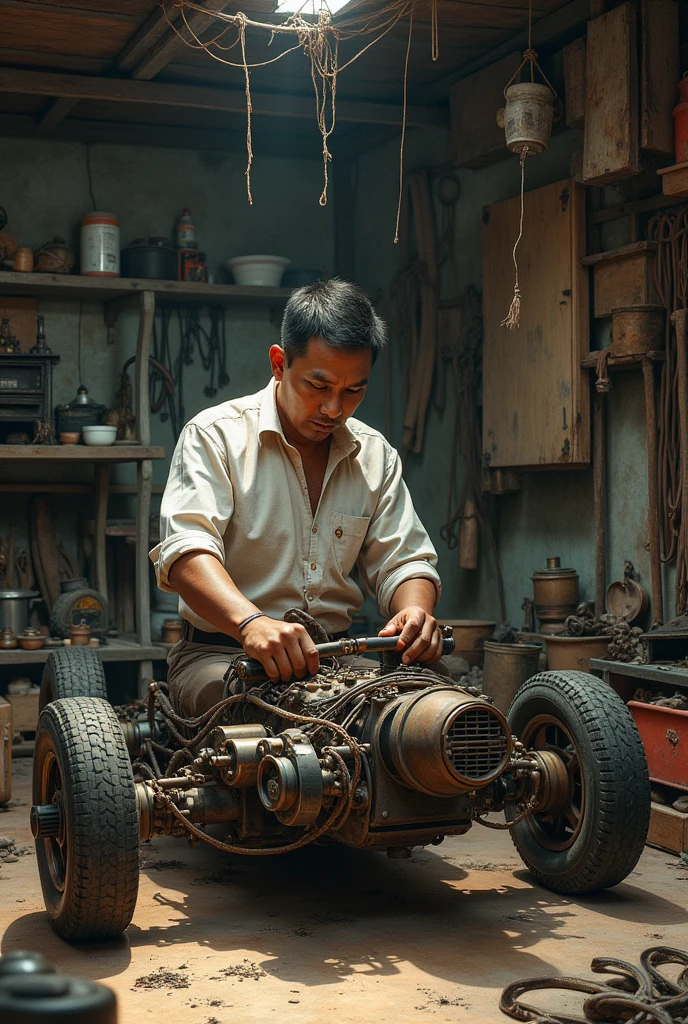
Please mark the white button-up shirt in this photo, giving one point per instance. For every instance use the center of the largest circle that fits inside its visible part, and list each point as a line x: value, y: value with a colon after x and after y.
x: 237, y: 490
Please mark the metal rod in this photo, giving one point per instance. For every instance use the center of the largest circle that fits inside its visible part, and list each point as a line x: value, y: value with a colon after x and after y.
x: 652, y: 492
x: 600, y: 499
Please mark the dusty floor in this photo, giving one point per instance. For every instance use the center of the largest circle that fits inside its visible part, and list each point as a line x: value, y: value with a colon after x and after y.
x: 333, y: 934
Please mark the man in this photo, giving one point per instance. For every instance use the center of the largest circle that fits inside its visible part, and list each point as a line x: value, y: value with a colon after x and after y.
x: 274, y: 499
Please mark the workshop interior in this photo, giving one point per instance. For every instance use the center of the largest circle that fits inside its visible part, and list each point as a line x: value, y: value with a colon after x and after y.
x: 502, y: 832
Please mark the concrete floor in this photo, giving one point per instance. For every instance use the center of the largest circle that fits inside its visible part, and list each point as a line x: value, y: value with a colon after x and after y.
x: 334, y: 934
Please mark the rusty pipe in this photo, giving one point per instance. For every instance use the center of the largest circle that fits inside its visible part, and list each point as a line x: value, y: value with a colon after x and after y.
x: 652, y: 492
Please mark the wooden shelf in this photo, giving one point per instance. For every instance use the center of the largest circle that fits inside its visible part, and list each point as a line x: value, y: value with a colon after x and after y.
x: 613, y: 255
x: 675, y: 179
x: 677, y: 677
x: 621, y: 362
x: 79, y: 453
x: 73, y: 286
x: 121, y: 649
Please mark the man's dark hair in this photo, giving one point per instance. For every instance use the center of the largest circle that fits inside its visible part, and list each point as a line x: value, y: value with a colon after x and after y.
x: 336, y: 311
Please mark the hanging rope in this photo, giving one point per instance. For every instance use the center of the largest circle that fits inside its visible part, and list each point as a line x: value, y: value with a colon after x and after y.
x: 513, y: 318
x: 670, y: 231
x: 320, y: 42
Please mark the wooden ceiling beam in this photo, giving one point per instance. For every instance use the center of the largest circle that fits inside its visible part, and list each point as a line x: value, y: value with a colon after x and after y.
x: 265, y: 143
x: 157, y: 42
x: 150, y: 33
x: 38, y: 7
x: 168, y: 94
x: 553, y: 30
x: 54, y: 113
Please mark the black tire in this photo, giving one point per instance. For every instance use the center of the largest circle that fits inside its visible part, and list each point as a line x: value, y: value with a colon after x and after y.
x: 72, y: 672
x: 90, y: 873
x: 62, y: 615
x: 599, y: 838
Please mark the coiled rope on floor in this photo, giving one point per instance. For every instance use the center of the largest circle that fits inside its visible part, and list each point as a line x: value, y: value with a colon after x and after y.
x: 635, y: 993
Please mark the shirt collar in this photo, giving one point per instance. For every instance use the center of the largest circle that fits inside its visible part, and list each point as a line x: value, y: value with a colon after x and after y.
x: 269, y: 421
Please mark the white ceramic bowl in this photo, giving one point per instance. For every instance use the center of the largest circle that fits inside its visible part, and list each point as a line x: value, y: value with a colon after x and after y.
x: 99, y: 435
x: 257, y: 271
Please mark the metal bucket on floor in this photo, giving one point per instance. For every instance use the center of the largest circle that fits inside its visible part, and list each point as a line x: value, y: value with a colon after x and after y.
x: 506, y: 668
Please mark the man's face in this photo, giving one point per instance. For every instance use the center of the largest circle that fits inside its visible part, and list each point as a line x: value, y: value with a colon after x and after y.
x: 321, y: 388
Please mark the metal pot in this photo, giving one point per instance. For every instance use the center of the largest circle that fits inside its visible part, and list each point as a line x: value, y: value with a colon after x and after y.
x: 150, y: 258
x: 14, y: 609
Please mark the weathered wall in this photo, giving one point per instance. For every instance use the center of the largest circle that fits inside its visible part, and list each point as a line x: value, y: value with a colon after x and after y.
x: 45, y: 192
x: 553, y: 514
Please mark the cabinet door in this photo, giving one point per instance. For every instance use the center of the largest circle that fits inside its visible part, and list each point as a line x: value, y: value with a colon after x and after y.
x: 536, y: 402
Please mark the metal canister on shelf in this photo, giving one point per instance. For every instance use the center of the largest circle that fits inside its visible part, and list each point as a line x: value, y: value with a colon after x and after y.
x: 556, y: 595
x: 100, y: 245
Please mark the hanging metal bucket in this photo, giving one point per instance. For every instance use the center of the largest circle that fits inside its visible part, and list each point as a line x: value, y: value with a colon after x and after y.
x: 527, y: 117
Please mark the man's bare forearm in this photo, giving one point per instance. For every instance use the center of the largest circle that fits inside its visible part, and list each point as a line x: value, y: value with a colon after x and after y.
x: 417, y: 593
x: 204, y: 584
x: 285, y: 649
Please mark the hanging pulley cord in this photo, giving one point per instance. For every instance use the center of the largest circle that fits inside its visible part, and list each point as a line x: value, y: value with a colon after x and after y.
x: 670, y: 231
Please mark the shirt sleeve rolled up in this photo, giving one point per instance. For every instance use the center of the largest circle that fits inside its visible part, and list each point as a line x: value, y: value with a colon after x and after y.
x: 197, y: 504
x: 397, y: 547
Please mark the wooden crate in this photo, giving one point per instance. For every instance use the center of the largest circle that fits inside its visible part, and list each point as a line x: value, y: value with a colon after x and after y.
x: 611, y: 150
x: 24, y: 712
x: 5, y: 751
x: 668, y: 829
x: 623, y: 277
x: 660, y: 70
x: 536, y: 409
x: 675, y: 179
x: 574, y: 83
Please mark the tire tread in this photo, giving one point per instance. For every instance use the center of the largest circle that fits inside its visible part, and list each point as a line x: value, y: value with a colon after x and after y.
x: 103, y: 876
x: 619, y: 763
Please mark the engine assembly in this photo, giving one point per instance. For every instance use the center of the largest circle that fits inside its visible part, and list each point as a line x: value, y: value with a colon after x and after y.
x: 386, y: 759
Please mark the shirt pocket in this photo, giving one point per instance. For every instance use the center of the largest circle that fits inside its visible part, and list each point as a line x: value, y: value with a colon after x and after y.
x: 348, y: 534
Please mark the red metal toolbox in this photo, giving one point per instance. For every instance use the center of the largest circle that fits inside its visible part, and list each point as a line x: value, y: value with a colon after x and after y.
x: 664, y: 732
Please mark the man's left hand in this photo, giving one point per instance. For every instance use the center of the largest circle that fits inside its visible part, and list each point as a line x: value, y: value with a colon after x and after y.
x: 420, y: 637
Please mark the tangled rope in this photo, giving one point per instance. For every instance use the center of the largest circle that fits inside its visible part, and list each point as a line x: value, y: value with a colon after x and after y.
x: 670, y: 231
x: 319, y: 39
x: 639, y: 994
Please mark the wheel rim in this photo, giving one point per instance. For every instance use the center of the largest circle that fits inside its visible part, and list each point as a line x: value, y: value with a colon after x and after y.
x: 557, y: 829
x: 56, y: 849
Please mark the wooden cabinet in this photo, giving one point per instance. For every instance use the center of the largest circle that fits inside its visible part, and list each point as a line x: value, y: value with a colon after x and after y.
x: 536, y: 402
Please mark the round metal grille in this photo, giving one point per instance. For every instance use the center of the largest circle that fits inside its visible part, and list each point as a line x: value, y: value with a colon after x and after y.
x: 477, y: 744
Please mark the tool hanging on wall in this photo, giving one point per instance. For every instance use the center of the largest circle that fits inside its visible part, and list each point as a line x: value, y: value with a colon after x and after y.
x: 123, y: 416
x: 192, y: 335
x: 527, y: 122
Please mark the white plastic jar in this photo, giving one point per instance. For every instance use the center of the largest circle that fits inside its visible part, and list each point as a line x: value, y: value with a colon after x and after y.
x: 100, y: 244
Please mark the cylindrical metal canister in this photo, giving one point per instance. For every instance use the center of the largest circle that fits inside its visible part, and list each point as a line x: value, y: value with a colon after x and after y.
x: 637, y: 329
x: 100, y: 245
x: 506, y: 669
x: 528, y: 116
x: 556, y: 595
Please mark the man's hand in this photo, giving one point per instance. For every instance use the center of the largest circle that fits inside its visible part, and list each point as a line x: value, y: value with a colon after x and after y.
x: 420, y: 637
x: 284, y: 649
